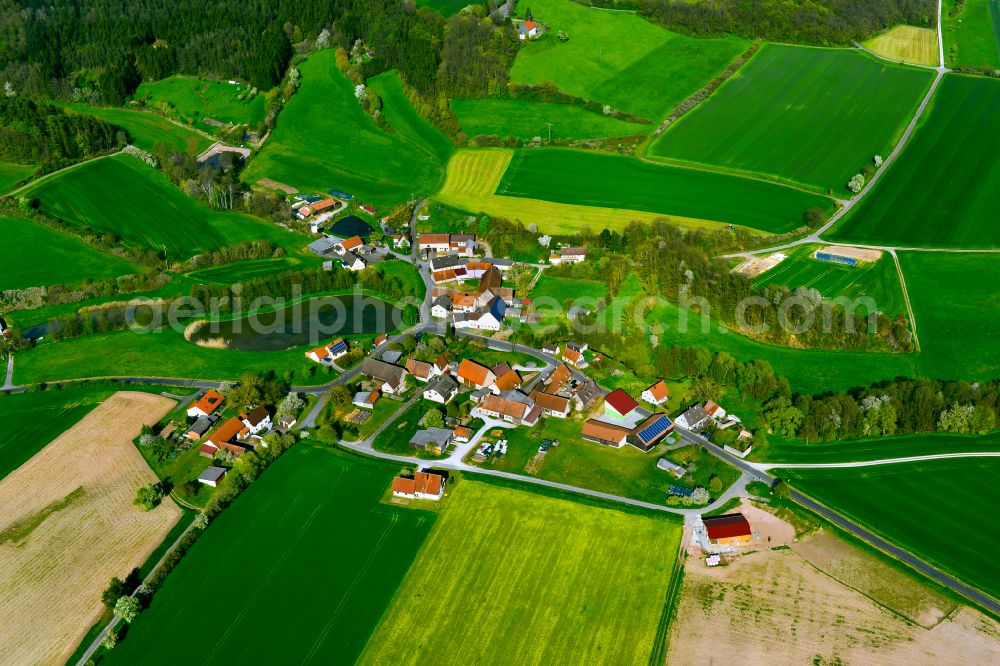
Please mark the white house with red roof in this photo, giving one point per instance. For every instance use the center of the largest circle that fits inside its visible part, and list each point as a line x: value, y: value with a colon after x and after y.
x: 657, y: 394
x: 421, y: 485
x: 618, y: 405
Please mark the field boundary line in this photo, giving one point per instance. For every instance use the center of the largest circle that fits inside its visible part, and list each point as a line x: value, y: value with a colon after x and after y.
x: 906, y: 299
x: 671, y: 163
x: 661, y: 642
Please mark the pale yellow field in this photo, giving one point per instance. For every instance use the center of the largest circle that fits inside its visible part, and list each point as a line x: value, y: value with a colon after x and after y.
x: 823, y: 601
x: 68, y: 526
x: 473, y: 177
x: 905, y: 43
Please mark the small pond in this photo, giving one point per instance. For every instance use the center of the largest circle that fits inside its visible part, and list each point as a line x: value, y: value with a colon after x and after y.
x: 312, y: 322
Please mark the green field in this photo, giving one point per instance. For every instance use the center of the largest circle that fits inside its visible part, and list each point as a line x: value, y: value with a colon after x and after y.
x: 160, y: 354
x: 616, y: 181
x: 193, y: 100
x: 319, y: 557
x: 563, y: 289
x: 941, y: 511
x: 525, y: 120
x: 509, y: 576
x: 34, y: 256
x: 122, y: 196
x: 405, y: 121
x: 956, y: 303
x: 878, y: 280
x: 243, y: 270
x: 11, y: 173
x: 972, y: 37
x: 792, y: 113
x: 32, y: 420
x: 148, y: 129
x: 800, y: 452
x: 619, y: 58
x: 944, y: 190
x: 325, y: 140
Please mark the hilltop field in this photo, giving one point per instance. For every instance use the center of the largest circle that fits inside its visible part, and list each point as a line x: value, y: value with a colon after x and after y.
x: 324, y: 140
x: 791, y: 114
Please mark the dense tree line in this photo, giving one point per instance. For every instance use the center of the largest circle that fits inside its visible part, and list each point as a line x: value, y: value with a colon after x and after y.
x: 802, y: 21
x: 34, y: 132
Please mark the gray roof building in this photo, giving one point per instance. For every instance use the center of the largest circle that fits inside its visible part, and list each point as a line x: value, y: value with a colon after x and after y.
x: 431, y: 438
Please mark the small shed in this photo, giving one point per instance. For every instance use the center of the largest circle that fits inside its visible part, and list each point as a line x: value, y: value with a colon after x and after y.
x: 212, y: 475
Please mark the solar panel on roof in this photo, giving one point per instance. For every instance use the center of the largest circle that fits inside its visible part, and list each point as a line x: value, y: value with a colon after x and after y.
x: 654, y: 429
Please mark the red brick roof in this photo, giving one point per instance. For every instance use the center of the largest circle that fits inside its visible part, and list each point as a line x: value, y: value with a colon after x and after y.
x: 659, y: 390
x: 728, y: 526
x: 429, y: 484
x: 621, y: 401
x: 471, y: 371
x: 209, y: 402
x: 351, y: 243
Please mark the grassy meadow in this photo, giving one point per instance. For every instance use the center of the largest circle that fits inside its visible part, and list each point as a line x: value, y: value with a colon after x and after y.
x: 320, y: 566
x: 405, y: 120
x: 877, y: 280
x: 524, y: 119
x: 800, y: 452
x: 324, y: 140
x: 124, y: 197
x: 905, y: 43
x: 942, y: 511
x: 616, y: 181
x: 620, y: 58
x: 148, y: 129
x: 972, y: 36
x: 956, y: 303
x: 792, y: 113
x: 34, y: 256
x: 512, y: 576
x: 944, y: 190
x: 11, y: 173
x: 244, y: 270
x: 194, y: 100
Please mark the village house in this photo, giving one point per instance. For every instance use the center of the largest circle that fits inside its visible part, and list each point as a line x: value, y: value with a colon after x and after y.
x: 558, y: 378
x: 551, y: 349
x: 568, y: 255
x: 574, y: 357
x: 379, y: 341
x: 619, y: 405
x: 671, y: 467
x: 327, y: 354
x: 442, y: 390
x: 441, y: 307
x: 693, y: 419
x: 507, y: 381
x: 607, y: 434
x: 257, y: 420
x: 421, y: 485
x: 512, y: 407
x: 229, y: 438
x: 387, y: 377
x: 463, y: 245
x: 366, y: 399
x: 349, y: 244
x: 462, y: 434
x: 353, y: 262
x: 488, y: 318
x: 475, y: 375
x: 206, y: 405
x: 421, y: 370
x: 552, y: 405
x: 198, y: 429
x: 586, y: 394
x: 657, y: 394
x: 529, y: 28
x: 435, y: 440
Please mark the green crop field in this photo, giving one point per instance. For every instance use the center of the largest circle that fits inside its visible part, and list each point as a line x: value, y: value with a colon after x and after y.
x: 148, y: 129
x: 34, y: 256
x: 619, y: 58
x: 11, y: 173
x: 877, y: 280
x: 944, y: 190
x: 792, y: 113
x: 243, y: 270
x: 956, y: 303
x: 800, y: 452
x: 942, y: 511
x: 32, y: 420
x: 515, y: 577
x: 525, y: 120
x: 972, y: 36
x: 563, y: 289
x: 319, y: 559
x: 193, y: 100
x: 616, y: 181
x: 122, y: 196
x: 403, y: 118
x: 324, y: 140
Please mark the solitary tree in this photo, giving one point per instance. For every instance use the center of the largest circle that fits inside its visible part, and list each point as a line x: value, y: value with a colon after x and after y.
x: 115, y: 589
x: 148, y: 496
x: 127, y: 608
x: 110, y: 640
